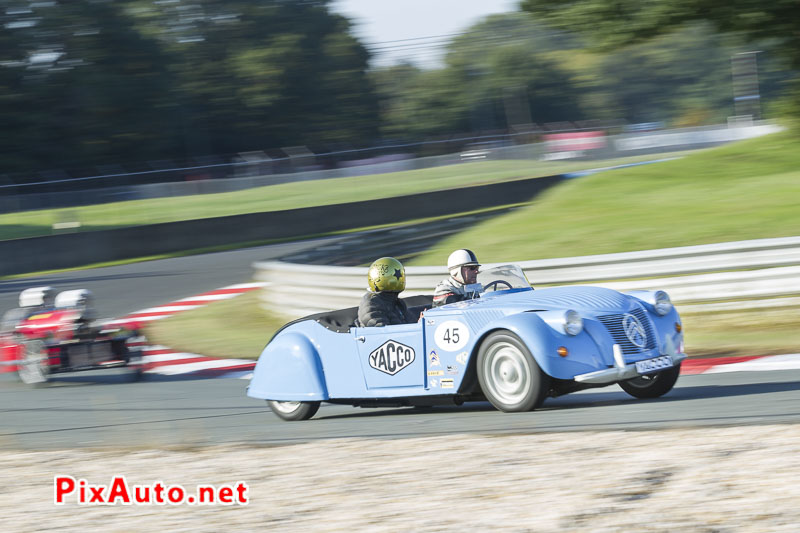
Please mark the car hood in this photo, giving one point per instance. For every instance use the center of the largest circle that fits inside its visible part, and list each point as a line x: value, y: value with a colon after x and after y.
x: 579, y: 298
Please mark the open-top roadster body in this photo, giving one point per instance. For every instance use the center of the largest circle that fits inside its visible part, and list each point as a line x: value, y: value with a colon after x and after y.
x: 513, y: 346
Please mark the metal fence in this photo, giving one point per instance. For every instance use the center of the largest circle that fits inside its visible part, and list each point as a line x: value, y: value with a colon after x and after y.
x: 734, y: 275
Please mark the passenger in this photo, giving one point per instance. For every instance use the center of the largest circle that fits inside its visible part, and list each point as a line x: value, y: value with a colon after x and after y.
x: 382, y: 306
x: 462, y: 283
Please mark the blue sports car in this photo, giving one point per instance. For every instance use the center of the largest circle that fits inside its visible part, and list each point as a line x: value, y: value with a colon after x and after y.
x: 513, y: 346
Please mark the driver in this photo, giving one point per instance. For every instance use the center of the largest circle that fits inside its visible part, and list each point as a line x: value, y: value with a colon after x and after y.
x: 462, y: 283
x: 382, y: 306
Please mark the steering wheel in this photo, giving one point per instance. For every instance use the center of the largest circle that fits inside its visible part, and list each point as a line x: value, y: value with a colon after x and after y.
x: 496, y: 283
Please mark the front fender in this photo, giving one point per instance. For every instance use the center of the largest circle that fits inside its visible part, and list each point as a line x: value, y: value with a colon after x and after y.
x: 289, y: 369
x: 543, y: 342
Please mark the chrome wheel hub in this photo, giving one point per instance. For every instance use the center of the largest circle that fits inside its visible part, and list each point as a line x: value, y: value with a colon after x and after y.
x: 508, y: 373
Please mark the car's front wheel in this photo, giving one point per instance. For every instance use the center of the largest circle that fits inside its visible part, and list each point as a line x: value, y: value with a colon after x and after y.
x: 508, y: 374
x: 292, y: 411
x: 652, y: 385
x: 34, y: 367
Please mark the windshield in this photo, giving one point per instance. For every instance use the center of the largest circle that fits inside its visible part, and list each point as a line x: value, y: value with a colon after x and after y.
x: 501, y: 278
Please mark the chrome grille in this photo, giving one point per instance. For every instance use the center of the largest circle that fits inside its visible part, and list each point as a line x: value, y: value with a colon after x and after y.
x: 613, y: 324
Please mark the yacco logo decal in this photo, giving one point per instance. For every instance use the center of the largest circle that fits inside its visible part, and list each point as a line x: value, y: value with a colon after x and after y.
x: 634, y: 330
x: 391, y: 357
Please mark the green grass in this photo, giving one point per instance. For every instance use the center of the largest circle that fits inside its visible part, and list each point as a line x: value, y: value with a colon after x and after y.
x: 750, y: 332
x: 284, y: 196
x: 237, y: 328
x: 746, y: 190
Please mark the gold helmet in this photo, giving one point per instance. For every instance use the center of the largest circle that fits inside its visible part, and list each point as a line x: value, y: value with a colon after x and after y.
x: 386, y: 275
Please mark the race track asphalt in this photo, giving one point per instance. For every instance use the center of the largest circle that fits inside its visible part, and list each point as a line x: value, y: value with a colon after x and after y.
x: 100, y: 410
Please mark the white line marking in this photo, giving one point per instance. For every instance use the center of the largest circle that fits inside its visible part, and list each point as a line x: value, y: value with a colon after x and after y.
x: 168, y: 308
x: 771, y: 362
x: 169, y: 370
x: 210, y: 297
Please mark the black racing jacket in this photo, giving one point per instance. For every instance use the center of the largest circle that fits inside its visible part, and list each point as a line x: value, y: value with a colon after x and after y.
x: 383, y: 309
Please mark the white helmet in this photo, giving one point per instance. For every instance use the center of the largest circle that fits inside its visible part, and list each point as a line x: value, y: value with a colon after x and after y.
x: 37, y: 297
x: 458, y: 259
x: 77, y: 298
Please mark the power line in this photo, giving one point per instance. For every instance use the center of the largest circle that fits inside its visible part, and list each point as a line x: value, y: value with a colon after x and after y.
x: 412, y: 46
x: 418, y: 38
x: 436, y: 46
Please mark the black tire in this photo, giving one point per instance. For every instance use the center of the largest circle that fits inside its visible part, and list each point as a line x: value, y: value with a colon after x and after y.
x: 652, y: 385
x: 34, y: 368
x: 293, y: 411
x: 133, y: 373
x: 134, y: 364
x: 508, y: 374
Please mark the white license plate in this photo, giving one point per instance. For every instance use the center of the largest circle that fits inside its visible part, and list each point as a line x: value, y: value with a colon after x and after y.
x: 653, y: 365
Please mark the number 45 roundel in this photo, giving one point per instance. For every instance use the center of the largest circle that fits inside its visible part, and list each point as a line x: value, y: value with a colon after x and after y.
x: 451, y: 336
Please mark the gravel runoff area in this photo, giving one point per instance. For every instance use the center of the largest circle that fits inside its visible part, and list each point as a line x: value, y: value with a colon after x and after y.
x: 701, y: 480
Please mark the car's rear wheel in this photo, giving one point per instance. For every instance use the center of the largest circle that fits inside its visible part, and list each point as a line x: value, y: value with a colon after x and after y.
x: 508, y: 374
x: 34, y: 367
x: 134, y: 360
x: 292, y: 411
x: 652, y: 385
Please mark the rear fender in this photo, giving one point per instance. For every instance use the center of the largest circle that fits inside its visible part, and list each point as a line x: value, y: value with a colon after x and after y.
x: 289, y: 369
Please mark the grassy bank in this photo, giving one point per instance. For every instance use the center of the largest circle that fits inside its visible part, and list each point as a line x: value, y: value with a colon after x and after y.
x: 285, y: 196
x: 746, y: 190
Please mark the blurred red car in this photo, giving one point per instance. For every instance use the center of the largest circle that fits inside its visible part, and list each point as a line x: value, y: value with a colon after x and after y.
x: 48, y: 335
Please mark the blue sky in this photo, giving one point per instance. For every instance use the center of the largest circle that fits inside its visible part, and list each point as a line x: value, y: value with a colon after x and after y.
x: 379, y: 21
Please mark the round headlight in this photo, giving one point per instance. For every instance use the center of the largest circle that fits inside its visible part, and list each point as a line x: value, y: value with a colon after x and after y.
x: 573, y: 323
x: 663, y: 304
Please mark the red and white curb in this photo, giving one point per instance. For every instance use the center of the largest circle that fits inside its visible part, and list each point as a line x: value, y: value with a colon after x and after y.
x: 165, y: 361
x: 719, y: 365
x: 187, y: 304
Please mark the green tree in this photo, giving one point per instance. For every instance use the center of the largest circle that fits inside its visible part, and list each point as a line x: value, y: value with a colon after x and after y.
x: 256, y: 75
x: 81, y: 87
x: 94, y: 82
x: 615, y: 23
x: 500, y: 73
x: 682, y: 77
x: 618, y: 22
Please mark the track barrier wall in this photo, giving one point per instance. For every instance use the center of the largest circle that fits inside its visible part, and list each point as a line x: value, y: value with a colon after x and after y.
x: 83, y: 248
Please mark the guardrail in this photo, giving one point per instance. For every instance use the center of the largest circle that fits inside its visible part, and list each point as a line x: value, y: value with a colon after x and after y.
x: 733, y: 275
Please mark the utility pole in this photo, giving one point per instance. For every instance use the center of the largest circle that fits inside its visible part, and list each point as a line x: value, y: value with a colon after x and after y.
x: 746, y: 97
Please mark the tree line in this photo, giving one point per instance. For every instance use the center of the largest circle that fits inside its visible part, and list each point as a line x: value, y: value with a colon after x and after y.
x: 93, y: 86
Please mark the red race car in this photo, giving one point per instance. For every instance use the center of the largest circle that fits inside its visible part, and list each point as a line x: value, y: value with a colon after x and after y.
x: 50, y: 334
